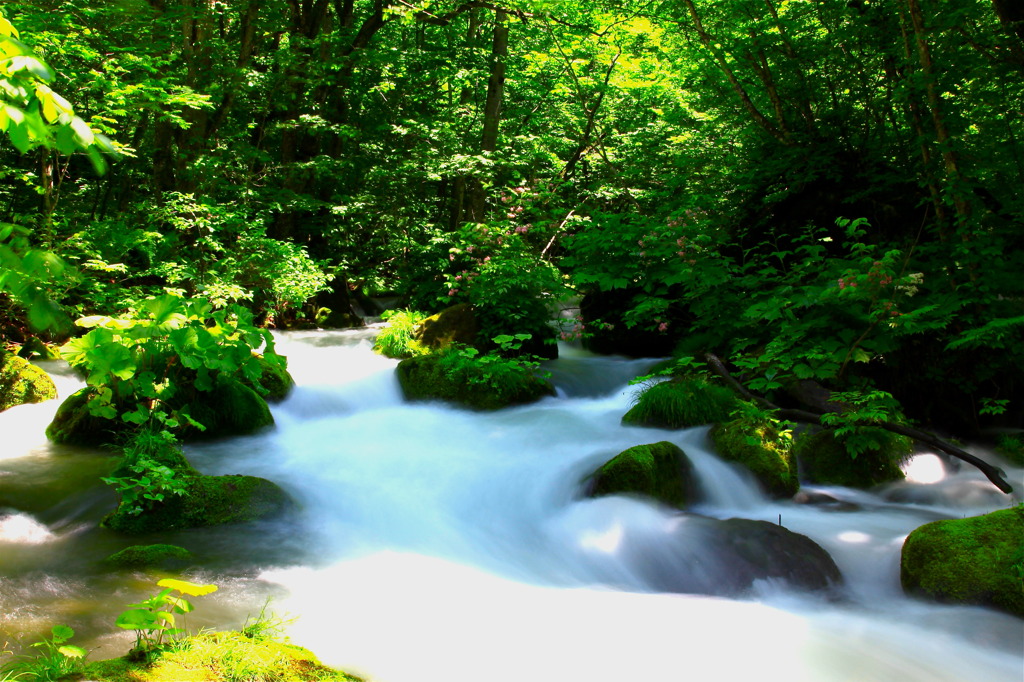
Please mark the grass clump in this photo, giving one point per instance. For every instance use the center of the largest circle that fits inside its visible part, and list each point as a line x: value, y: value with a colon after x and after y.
x: 220, y: 657
x: 396, y: 339
x: 681, y: 404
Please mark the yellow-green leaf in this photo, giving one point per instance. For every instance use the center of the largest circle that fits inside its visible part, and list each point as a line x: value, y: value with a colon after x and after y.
x: 188, y: 588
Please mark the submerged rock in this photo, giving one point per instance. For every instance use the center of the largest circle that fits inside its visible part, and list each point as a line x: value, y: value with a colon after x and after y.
x: 661, y: 471
x: 22, y: 382
x: 138, y: 556
x: 763, y: 450
x: 978, y: 560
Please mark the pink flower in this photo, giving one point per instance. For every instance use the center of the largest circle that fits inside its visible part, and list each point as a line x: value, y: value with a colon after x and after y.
x: 458, y: 278
x: 663, y: 326
x: 452, y: 292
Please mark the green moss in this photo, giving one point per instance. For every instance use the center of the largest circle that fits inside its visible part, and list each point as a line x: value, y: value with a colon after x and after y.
x: 274, y: 383
x: 146, y: 555
x: 658, y: 470
x: 763, y: 449
x: 22, y: 382
x: 220, y: 657
x: 454, y: 325
x: 824, y: 459
x: 978, y: 560
x: 73, y: 425
x: 680, y: 404
x: 477, y: 384
x: 230, y: 409
x: 208, y: 501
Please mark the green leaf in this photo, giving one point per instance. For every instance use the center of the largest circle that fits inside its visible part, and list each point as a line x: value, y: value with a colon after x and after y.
x: 136, y: 619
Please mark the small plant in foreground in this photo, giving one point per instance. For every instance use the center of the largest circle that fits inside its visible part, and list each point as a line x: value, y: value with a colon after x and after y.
x: 396, y: 339
x: 55, y: 660
x: 153, y: 619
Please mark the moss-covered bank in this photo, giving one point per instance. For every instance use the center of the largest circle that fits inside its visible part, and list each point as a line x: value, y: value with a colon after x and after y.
x: 22, y: 382
x: 141, y: 556
x: 659, y: 470
x: 978, y: 560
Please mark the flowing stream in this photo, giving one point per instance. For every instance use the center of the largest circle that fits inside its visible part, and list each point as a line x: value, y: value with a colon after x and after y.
x: 433, y: 543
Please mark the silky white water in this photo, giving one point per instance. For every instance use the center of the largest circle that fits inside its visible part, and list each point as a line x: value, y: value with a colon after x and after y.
x: 435, y: 543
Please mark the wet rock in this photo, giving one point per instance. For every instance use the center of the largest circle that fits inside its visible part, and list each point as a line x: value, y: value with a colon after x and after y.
x: 661, y: 471
x: 229, y: 409
x: 140, y: 556
x: 469, y: 383
x: 977, y: 560
x: 763, y: 450
x: 824, y: 459
x: 22, y: 382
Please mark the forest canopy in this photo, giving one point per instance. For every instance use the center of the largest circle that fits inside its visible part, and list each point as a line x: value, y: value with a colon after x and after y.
x: 814, y: 190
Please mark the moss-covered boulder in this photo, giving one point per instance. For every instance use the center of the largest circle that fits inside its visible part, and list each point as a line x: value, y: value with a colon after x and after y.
x: 978, y: 560
x: 207, y: 501
x: 180, y: 496
x: 454, y: 325
x: 661, y: 471
x: 142, y: 556
x: 763, y: 449
x: 487, y: 383
x: 824, y: 458
x: 230, y: 408
x: 22, y: 382
x: 275, y: 383
x: 680, y: 404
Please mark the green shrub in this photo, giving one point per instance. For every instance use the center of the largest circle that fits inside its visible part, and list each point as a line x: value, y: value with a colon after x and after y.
x: 680, y: 404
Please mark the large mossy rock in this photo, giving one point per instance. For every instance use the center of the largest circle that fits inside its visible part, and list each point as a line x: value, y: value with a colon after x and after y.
x: 454, y: 325
x: 978, y: 560
x: 661, y: 471
x: 22, y: 382
x: 208, y: 501
x: 824, y: 459
x: 763, y: 450
x: 229, y: 409
x: 428, y: 377
x: 680, y: 404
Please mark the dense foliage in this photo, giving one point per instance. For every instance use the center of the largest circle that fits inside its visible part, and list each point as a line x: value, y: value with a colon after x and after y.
x: 815, y: 191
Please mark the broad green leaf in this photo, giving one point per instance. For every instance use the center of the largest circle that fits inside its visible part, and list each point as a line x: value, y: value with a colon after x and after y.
x: 136, y: 619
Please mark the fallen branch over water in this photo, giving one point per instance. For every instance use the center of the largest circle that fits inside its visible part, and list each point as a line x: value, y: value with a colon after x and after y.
x: 993, y: 473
